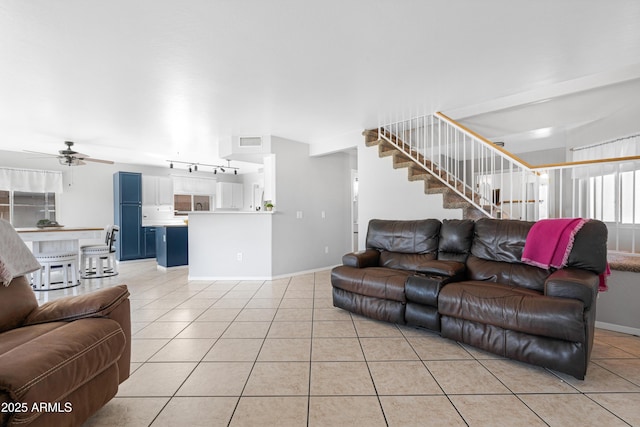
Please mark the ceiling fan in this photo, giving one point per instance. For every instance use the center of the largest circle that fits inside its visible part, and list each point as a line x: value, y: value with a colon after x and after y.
x: 70, y: 157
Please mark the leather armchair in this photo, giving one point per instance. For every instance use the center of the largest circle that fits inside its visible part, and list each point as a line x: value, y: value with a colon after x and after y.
x: 62, y: 361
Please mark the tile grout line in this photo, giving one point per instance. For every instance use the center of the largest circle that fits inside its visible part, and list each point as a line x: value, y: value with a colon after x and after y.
x: 233, y: 413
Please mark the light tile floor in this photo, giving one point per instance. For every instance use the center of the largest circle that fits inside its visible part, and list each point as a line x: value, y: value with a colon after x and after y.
x: 277, y: 353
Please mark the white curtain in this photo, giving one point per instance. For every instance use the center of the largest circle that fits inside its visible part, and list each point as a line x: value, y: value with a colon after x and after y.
x: 623, y: 147
x: 31, y: 181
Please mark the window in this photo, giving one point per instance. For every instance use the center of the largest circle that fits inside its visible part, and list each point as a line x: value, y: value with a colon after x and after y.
x: 615, y: 197
x: 25, y: 209
x: 27, y: 196
x: 5, y: 205
x: 629, y: 200
x: 184, y: 203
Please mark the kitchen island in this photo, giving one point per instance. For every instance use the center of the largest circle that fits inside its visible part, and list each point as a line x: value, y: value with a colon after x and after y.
x: 230, y: 245
x: 172, y: 245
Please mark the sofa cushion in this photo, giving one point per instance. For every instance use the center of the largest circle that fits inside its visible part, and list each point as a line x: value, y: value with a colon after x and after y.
x: 75, y: 353
x: 499, y: 240
x: 378, y: 282
x: 409, y: 237
x: 512, y: 274
x: 456, y: 236
x: 514, y: 309
x: 413, y: 262
x: 17, y: 301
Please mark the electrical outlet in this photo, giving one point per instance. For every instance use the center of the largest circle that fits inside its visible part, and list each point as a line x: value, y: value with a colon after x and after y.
x: 239, y: 256
x: 326, y: 249
x: 323, y: 215
x: 299, y: 214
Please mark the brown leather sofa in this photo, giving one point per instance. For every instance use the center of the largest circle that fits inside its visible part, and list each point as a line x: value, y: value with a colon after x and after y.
x: 61, y: 361
x: 466, y: 281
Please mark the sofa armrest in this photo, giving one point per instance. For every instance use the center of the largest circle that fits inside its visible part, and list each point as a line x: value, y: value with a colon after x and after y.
x: 112, y: 303
x: 95, y: 304
x: 362, y: 259
x: 573, y: 283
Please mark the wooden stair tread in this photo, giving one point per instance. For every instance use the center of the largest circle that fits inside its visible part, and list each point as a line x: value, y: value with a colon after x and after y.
x: 416, y: 171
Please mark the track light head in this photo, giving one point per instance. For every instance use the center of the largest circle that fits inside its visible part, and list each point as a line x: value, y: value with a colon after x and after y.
x: 194, y: 167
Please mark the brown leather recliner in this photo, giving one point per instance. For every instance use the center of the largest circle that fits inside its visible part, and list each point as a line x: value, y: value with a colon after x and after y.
x: 466, y: 280
x: 62, y: 361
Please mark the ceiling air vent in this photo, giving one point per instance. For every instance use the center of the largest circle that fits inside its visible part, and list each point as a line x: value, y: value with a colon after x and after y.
x: 250, y: 141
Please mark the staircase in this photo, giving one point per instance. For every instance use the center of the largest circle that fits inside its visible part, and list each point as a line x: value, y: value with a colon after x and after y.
x: 451, y: 199
x: 471, y: 172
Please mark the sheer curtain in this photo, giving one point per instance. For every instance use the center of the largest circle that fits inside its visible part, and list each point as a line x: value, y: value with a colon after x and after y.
x: 623, y: 147
x: 31, y: 181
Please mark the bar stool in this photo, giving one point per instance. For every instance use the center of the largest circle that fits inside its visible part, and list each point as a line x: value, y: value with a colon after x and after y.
x: 100, y: 260
x: 66, y: 261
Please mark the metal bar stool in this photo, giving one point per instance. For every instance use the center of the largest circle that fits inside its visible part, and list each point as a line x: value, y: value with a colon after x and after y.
x: 100, y: 260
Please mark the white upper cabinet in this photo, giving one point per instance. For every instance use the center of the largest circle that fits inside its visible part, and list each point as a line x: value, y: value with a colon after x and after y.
x: 157, y: 190
x: 229, y: 196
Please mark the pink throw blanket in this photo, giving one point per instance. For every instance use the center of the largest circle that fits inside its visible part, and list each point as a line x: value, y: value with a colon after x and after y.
x: 549, y: 244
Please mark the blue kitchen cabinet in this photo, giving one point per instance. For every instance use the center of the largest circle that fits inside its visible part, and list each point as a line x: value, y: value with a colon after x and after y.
x: 149, y: 247
x: 172, y: 246
x: 127, y: 191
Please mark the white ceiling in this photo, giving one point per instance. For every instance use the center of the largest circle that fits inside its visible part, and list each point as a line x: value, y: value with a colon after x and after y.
x: 142, y: 81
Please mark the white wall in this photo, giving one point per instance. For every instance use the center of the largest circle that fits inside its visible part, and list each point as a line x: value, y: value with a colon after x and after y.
x: 617, y: 309
x: 385, y: 193
x: 309, y: 186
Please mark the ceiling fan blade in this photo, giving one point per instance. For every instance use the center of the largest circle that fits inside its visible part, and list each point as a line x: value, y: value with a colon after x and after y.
x: 89, y: 159
x: 38, y: 152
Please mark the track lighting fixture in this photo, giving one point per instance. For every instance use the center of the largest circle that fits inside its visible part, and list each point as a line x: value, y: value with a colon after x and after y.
x: 194, y: 167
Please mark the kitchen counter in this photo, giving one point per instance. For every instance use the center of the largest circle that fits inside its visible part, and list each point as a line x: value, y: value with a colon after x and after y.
x: 163, y: 222
x: 221, y: 211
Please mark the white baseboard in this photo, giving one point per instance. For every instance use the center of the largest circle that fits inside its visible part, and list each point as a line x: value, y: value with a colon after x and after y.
x: 618, y: 328
x: 276, y: 277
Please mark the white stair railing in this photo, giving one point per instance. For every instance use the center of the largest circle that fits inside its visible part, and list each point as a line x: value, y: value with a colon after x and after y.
x: 607, y: 189
x: 489, y: 178
x: 503, y: 186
